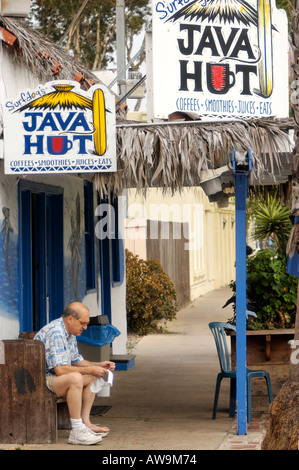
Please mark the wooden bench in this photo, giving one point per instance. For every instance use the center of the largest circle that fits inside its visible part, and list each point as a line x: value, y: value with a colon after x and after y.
x: 30, y: 412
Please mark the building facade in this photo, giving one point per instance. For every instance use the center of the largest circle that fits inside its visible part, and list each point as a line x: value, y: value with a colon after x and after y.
x: 50, y: 254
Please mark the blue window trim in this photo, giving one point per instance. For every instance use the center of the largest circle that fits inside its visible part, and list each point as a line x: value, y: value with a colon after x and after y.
x: 105, y: 271
x: 90, y: 274
x: 111, y: 256
x: 117, y: 250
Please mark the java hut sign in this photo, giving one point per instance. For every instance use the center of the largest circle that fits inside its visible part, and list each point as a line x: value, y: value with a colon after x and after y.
x: 220, y: 59
x: 59, y: 128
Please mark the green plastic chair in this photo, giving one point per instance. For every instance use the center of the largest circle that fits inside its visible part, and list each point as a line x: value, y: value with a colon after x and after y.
x: 219, y: 334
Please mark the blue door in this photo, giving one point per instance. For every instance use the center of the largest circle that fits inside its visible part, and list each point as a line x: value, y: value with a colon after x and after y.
x: 41, y: 254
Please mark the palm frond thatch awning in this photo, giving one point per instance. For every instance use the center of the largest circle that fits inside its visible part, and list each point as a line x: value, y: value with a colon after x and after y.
x: 174, y: 155
x: 46, y: 60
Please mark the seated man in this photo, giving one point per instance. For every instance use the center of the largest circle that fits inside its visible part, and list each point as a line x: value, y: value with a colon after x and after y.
x: 68, y: 374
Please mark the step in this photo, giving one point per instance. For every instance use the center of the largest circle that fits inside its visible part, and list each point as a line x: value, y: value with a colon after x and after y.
x: 123, y: 361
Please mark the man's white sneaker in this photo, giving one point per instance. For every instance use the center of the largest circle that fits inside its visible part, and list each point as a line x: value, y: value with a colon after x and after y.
x: 102, y: 434
x: 83, y: 436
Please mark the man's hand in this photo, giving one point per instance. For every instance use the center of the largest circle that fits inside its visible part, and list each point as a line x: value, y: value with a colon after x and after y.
x: 109, y: 365
x: 98, y: 371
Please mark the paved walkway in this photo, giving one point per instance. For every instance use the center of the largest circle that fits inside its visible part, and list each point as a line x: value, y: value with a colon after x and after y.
x: 253, y: 439
x: 165, y: 402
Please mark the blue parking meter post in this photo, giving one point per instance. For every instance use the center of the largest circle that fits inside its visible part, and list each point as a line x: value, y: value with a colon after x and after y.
x: 241, y: 172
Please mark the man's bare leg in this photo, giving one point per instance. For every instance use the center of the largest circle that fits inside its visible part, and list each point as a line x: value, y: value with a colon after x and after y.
x: 76, y: 388
x: 87, y: 402
x: 71, y: 386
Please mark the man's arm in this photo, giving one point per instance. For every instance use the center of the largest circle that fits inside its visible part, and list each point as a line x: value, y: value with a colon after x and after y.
x: 95, y: 370
x: 109, y: 365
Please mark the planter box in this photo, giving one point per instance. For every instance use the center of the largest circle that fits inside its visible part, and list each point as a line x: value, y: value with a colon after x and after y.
x: 265, y: 347
x: 268, y: 350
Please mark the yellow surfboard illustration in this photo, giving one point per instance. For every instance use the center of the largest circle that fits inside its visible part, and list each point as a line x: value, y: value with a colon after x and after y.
x: 99, y: 122
x: 265, y: 68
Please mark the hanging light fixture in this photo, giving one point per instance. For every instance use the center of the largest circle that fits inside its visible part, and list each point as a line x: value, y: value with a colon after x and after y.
x: 134, y: 77
x: 19, y: 8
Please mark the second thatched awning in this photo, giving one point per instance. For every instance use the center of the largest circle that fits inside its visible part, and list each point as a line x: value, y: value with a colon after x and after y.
x: 174, y: 155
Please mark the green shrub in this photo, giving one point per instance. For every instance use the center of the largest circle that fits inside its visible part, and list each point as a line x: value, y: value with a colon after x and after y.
x: 271, y: 291
x: 150, y: 297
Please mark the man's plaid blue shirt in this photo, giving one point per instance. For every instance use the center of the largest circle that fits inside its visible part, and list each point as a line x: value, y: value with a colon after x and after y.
x: 61, y: 348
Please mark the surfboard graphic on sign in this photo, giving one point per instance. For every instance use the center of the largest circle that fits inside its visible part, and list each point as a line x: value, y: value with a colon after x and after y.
x: 265, y: 45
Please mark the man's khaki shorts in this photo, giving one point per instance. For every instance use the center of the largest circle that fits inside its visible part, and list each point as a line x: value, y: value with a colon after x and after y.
x: 49, y: 382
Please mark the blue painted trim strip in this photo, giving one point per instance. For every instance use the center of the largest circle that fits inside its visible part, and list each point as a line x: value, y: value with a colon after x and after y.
x: 241, y: 192
x: 125, y: 365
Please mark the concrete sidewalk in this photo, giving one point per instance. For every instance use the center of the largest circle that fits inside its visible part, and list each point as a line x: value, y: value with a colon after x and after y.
x: 165, y: 401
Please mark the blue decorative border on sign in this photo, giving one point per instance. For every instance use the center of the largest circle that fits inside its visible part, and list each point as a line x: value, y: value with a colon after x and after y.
x: 79, y: 168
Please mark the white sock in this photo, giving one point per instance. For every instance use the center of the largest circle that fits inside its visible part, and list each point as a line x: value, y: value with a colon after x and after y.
x: 77, y: 423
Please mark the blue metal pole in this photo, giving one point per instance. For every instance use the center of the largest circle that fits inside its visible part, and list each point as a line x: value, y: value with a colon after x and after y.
x: 241, y: 276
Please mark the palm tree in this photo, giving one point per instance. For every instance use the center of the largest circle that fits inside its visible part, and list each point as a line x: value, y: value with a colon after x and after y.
x: 272, y: 221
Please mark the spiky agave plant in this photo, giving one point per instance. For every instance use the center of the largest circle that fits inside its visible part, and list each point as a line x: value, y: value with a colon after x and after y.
x: 272, y: 220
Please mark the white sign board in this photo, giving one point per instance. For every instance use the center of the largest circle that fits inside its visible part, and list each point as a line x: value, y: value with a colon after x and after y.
x: 224, y: 59
x: 59, y: 128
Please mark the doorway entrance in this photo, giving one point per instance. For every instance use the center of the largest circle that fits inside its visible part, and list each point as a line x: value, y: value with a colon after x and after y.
x: 41, y: 254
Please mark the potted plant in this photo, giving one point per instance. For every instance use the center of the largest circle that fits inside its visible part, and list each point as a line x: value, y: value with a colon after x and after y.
x: 271, y: 292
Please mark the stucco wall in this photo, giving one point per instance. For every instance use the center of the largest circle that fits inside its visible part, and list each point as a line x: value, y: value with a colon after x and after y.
x: 210, y: 237
x: 9, y: 312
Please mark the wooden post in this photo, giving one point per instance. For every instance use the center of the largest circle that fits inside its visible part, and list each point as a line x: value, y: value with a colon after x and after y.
x: 242, y: 167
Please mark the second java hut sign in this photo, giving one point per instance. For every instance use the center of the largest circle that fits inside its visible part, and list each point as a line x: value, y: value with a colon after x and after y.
x: 59, y: 128
x: 223, y: 59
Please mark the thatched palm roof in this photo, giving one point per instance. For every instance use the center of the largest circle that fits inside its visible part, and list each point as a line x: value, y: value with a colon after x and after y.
x: 168, y: 155
x: 174, y: 155
x: 45, y: 59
